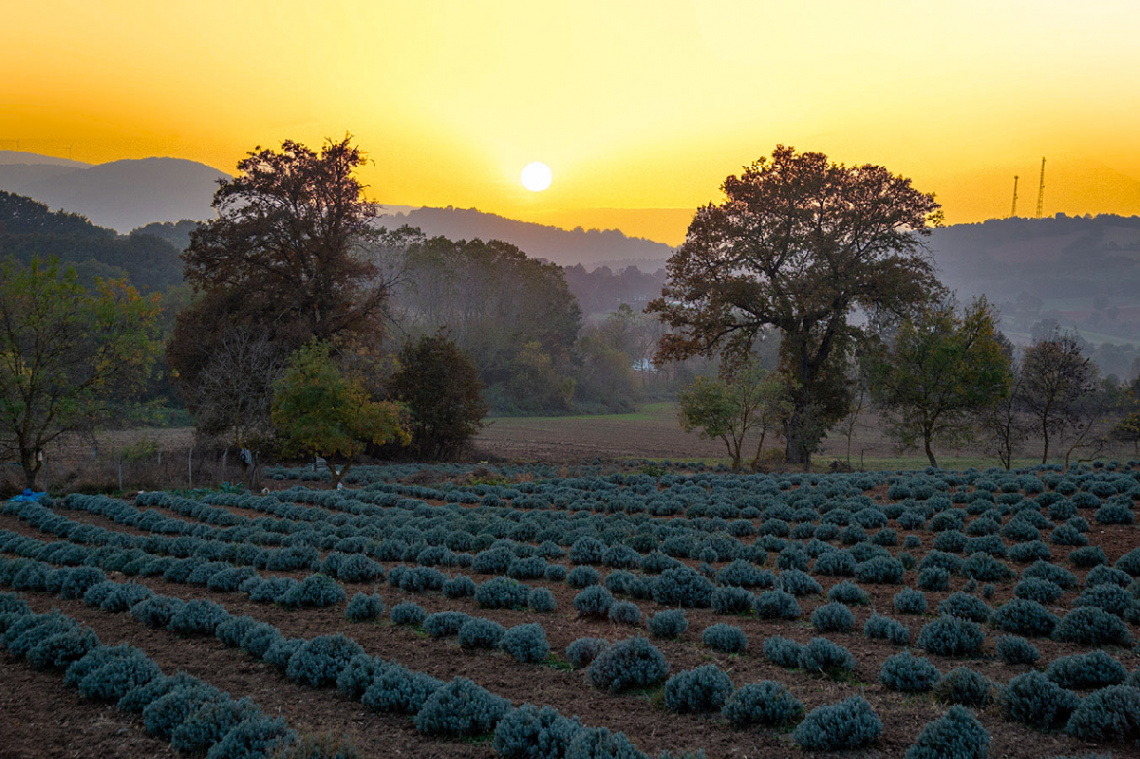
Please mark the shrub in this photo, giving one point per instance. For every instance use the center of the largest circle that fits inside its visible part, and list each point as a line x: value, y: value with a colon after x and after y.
x: 1037, y: 701
x: 27, y: 630
x: 1112, y: 598
x: 833, y: 617
x: 881, y: 569
x: 910, y: 601
x: 966, y: 687
x: 850, y: 724
x: 1114, y: 513
x: 444, y: 623
x: 461, y: 709
x: 358, y: 674
x: 847, y: 593
x: 315, y: 591
x: 229, y: 580
x: 587, y: 550
x: 965, y: 606
x: 271, y: 589
x: 1084, y: 671
x: 1110, y: 714
x: 798, y: 583
x: 59, y: 650
x: 682, y: 587
x: 254, y: 737
x: 1013, y: 649
x: 76, y: 582
x: 582, y: 577
x: 162, y: 716
x: 631, y: 663
x: 698, y: 690
x: 502, y: 593
x: 139, y: 697
x: 625, y: 613
x: 594, y: 601
x: 398, y: 690
x: 527, y: 643
x: 822, y: 655
x: 783, y: 652
x: 1053, y: 573
x: 581, y: 652
x: 232, y: 631
x: 600, y: 743
x: 985, y: 568
x: 197, y: 618
x: 459, y: 587
x: 1024, y: 618
x: 364, y: 607
x: 1130, y: 562
x: 835, y: 563
x: 951, y: 636
x: 776, y: 604
x: 1092, y: 627
x: 908, y: 673
x: 541, y: 600
x: 934, y: 579
x: 319, y: 660
x: 1039, y: 590
x: 207, y: 724
x: 407, y: 613
x: 668, y: 624
x: 765, y: 703
x: 885, y: 628
x: 281, y: 650
x: 529, y: 732
x: 1106, y: 575
x: 259, y: 638
x: 742, y: 574
x: 1088, y: 557
x: 957, y: 735
x: 478, y: 632
x: 99, y: 592
x: 728, y: 639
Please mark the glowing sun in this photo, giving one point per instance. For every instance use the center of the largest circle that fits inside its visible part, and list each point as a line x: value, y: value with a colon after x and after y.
x: 536, y: 176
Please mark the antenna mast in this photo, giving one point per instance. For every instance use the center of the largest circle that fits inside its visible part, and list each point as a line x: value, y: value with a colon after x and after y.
x: 1013, y: 208
x: 1041, y: 191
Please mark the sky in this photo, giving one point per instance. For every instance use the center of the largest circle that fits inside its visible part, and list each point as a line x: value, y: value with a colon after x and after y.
x: 641, y: 109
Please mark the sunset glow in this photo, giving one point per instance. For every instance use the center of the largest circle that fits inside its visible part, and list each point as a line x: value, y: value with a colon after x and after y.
x: 643, y: 108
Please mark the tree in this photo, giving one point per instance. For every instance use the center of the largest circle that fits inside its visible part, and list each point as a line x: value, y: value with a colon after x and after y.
x: 67, y: 356
x: 1055, y: 377
x: 744, y: 400
x: 292, y: 226
x: 937, y: 370
x: 320, y: 411
x: 440, y: 387
x: 798, y: 244
x: 1004, y: 424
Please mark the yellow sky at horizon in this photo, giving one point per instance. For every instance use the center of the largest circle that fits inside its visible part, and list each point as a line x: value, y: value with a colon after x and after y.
x: 633, y: 105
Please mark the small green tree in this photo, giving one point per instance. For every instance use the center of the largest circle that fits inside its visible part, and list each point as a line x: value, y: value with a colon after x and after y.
x: 440, y: 387
x: 749, y: 399
x: 938, y: 369
x: 67, y: 356
x: 319, y: 411
x: 1056, y: 379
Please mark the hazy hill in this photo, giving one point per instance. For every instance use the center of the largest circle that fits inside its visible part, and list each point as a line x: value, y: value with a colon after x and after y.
x: 564, y: 247
x: 121, y: 195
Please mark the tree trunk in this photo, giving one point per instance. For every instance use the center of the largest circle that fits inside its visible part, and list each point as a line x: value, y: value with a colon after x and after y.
x: 799, y: 447
x: 1045, y: 436
x: 926, y: 436
x: 31, y: 467
x: 759, y: 450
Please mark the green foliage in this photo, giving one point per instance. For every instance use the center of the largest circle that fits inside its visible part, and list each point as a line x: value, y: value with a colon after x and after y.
x: 364, y: 607
x: 320, y: 660
x: 1109, y: 714
x: 528, y: 732
x: 727, y: 639
x: 951, y: 636
x: 1037, y: 701
x: 315, y: 591
x: 739, y: 403
x: 407, y: 613
x: 885, y: 628
x: 833, y: 617
x: 1092, y: 626
x: 68, y: 356
x: 478, y: 632
x: 582, y: 651
x: 1013, y: 649
x: 669, y: 624
x: 966, y: 687
x: 938, y: 370
x: 197, y: 617
x: 440, y: 387
x: 1095, y: 669
x: 526, y: 643
x: 825, y: 656
x: 320, y: 411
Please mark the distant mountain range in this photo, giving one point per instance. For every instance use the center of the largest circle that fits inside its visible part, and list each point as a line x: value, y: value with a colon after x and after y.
x: 120, y: 195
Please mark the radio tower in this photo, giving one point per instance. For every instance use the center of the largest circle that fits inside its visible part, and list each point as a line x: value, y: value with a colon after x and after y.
x: 1041, y: 191
x: 1013, y: 208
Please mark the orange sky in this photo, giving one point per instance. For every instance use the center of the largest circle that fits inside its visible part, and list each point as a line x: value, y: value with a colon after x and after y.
x: 634, y: 105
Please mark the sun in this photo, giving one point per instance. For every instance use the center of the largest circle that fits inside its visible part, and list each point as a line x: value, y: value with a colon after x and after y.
x: 536, y: 176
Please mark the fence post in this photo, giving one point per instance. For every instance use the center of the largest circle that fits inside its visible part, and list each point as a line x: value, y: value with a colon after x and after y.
x: 190, y: 468
x: 120, y: 473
